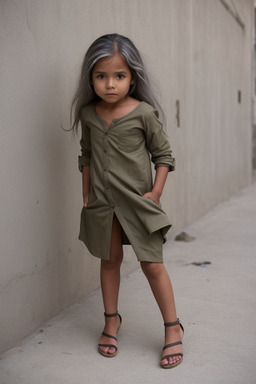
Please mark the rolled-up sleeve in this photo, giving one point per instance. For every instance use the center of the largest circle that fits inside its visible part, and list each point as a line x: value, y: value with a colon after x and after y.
x: 85, y: 143
x: 157, y: 142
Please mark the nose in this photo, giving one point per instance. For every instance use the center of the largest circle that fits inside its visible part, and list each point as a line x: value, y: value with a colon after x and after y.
x: 110, y: 83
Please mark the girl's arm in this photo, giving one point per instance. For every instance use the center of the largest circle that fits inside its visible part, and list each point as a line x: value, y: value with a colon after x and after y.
x: 86, y: 183
x: 160, y: 178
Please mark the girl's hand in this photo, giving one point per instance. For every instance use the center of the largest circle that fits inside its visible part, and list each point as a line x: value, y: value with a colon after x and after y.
x: 153, y: 196
x: 161, y: 175
x: 85, y: 198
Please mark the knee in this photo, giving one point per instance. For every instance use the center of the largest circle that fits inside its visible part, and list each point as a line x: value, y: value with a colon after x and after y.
x: 114, y: 262
x: 151, y: 270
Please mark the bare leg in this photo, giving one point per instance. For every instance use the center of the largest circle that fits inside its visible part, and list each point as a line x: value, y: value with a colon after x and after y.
x: 162, y: 289
x: 110, y: 282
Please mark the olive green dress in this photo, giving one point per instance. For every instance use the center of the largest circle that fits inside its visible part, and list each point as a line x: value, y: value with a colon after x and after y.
x: 120, y: 174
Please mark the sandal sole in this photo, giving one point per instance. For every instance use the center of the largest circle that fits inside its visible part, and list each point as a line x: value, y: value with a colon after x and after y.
x: 108, y: 354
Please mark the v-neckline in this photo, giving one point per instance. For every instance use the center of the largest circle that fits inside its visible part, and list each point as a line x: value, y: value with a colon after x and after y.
x: 116, y: 119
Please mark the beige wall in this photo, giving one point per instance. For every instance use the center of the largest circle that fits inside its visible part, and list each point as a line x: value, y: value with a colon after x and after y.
x: 198, y: 54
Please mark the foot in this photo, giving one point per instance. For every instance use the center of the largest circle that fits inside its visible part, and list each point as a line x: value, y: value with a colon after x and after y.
x: 111, y: 328
x: 172, y: 335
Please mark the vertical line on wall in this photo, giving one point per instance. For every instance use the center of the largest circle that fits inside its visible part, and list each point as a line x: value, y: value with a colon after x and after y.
x: 178, y: 113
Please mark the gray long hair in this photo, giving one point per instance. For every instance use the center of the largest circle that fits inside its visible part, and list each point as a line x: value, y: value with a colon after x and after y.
x: 106, y: 46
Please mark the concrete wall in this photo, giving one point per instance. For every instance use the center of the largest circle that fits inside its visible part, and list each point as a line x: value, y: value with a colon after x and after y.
x: 254, y: 94
x: 199, y: 55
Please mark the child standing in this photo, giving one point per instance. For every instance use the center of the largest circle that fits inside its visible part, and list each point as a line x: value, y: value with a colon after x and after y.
x: 120, y: 130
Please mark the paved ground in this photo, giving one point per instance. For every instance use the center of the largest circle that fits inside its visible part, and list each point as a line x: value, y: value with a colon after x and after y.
x: 215, y: 302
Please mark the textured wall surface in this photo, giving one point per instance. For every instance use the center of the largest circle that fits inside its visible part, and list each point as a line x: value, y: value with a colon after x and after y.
x: 200, y: 58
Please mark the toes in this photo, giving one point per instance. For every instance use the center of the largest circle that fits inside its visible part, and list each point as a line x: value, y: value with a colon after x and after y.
x: 164, y: 362
x: 174, y: 360
x: 170, y: 361
x: 109, y: 350
x: 104, y: 349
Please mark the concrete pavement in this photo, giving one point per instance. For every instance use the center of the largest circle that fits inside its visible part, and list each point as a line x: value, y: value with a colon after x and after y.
x: 216, y: 304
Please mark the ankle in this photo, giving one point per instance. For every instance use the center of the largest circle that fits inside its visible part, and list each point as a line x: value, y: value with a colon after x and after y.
x: 112, y: 322
x: 172, y: 330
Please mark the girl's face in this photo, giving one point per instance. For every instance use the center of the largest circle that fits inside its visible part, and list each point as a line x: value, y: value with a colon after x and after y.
x: 111, y: 79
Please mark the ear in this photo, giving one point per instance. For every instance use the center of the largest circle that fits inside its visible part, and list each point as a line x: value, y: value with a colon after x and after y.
x: 133, y: 80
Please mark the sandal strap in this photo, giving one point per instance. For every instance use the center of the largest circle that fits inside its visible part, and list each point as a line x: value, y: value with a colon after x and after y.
x: 173, y: 355
x: 111, y: 314
x: 114, y: 315
x: 109, y: 336
x: 108, y: 345
x: 172, y: 344
x: 173, y: 324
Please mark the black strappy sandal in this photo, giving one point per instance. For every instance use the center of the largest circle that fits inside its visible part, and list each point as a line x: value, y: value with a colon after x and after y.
x: 172, y: 345
x: 111, y: 337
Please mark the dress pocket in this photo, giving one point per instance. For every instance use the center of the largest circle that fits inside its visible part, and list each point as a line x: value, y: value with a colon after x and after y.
x: 152, y: 201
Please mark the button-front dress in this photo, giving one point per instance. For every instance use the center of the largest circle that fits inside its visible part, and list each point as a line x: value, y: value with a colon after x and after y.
x: 120, y: 158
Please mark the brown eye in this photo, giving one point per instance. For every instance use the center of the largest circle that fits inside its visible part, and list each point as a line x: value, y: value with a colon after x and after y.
x: 101, y: 77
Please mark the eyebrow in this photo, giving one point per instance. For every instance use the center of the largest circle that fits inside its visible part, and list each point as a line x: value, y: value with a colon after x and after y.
x: 105, y: 73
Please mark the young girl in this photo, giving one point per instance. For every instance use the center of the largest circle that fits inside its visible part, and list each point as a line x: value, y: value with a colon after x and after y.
x: 120, y: 130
